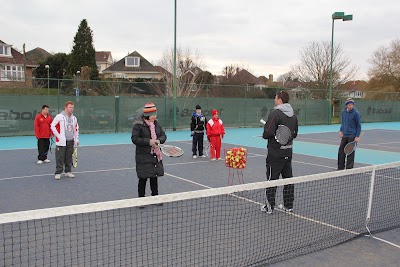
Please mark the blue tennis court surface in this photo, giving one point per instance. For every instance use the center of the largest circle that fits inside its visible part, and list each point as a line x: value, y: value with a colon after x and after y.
x: 106, y: 172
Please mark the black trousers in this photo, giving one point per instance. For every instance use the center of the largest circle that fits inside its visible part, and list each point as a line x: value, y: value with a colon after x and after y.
x: 198, y: 143
x: 275, y: 168
x: 64, y: 157
x: 43, y: 148
x: 153, y: 186
x: 342, y: 156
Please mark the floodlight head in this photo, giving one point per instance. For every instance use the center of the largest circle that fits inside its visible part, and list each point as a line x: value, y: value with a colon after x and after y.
x: 47, y: 66
x: 338, y: 15
x: 348, y: 17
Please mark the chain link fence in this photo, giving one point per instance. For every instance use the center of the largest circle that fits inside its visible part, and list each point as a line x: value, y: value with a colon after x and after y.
x: 112, y: 106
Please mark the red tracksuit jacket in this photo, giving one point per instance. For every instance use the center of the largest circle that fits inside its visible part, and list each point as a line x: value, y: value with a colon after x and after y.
x: 42, y: 126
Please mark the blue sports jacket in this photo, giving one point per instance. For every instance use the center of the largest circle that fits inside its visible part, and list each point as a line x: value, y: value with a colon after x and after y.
x: 351, y: 123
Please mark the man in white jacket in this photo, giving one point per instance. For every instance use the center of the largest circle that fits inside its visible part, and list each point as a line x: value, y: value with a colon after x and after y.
x: 66, y: 130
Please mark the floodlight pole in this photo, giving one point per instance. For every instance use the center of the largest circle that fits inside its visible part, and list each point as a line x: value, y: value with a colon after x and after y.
x: 342, y: 16
x: 174, y: 97
x: 48, y: 79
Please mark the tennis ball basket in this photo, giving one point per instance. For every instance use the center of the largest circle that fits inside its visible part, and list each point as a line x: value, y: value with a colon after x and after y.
x: 235, y: 161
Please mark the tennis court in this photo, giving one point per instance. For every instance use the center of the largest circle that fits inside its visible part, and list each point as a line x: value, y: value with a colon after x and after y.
x: 227, y: 227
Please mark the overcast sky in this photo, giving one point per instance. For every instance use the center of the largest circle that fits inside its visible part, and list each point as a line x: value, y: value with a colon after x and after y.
x: 264, y: 35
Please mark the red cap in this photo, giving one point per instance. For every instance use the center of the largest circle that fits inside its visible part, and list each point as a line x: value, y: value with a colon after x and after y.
x: 214, y: 111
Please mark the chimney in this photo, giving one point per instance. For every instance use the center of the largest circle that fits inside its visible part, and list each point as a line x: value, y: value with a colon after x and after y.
x: 271, y: 78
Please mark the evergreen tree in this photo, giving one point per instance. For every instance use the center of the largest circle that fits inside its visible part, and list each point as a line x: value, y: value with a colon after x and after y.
x: 83, y: 52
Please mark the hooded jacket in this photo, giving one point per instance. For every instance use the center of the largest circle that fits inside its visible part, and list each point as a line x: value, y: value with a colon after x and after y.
x: 59, y: 125
x: 198, y: 123
x: 281, y: 115
x: 147, y: 164
x: 351, y: 123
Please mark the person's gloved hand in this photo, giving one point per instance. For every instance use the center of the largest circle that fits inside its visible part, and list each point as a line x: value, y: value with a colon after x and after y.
x: 192, y: 133
x: 222, y: 136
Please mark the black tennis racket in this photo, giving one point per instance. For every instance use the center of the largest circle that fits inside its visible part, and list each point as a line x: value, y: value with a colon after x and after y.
x: 171, y: 151
x: 75, y: 157
x: 282, y: 134
x: 351, y: 147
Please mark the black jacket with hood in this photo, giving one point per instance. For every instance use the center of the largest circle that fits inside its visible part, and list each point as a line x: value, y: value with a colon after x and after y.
x: 147, y: 164
x: 281, y: 115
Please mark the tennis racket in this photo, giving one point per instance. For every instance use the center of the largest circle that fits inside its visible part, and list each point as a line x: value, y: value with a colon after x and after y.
x: 51, y: 145
x: 206, y: 148
x: 75, y: 157
x: 351, y: 147
x: 171, y: 151
x: 282, y: 134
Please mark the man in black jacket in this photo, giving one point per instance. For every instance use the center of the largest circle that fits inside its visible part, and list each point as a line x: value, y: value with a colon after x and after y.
x: 197, y: 127
x: 279, y: 158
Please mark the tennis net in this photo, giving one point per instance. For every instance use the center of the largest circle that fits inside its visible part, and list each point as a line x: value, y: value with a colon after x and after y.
x: 212, y: 227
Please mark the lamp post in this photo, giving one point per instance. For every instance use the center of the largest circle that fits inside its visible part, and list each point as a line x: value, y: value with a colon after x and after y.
x: 48, y: 79
x: 174, y: 97
x: 342, y: 16
x: 77, y: 83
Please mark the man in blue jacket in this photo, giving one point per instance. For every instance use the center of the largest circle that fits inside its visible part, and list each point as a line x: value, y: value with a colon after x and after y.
x: 350, y: 131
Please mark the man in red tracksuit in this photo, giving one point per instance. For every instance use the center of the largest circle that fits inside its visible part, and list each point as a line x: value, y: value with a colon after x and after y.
x: 43, y: 133
x: 215, y: 131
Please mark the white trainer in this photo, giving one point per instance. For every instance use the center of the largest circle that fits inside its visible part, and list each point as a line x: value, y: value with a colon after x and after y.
x: 282, y: 207
x: 213, y: 159
x: 46, y: 161
x: 57, y: 176
x: 40, y: 162
x: 267, y: 209
x: 194, y: 156
x: 203, y: 156
x: 70, y: 175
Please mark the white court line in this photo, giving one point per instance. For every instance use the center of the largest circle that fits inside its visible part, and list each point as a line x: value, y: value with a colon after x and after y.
x: 384, y: 241
x: 299, y: 138
x: 383, y: 130
x: 260, y: 204
x: 94, y: 171
x: 377, y: 144
x: 290, y: 213
x: 132, y: 168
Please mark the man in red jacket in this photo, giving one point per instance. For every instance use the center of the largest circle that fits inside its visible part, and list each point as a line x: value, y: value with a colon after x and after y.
x: 43, y: 133
x: 215, y: 132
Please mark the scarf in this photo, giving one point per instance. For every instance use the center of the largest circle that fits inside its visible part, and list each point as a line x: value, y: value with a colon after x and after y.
x: 154, y: 149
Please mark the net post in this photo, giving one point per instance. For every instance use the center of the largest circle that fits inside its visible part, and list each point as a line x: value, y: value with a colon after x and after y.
x: 371, y: 193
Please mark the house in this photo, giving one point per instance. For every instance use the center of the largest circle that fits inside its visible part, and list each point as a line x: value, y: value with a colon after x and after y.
x: 133, y: 66
x: 164, y: 73
x: 38, y: 55
x: 246, y: 78
x: 12, y: 67
x: 354, y: 89
x: 103, y: 60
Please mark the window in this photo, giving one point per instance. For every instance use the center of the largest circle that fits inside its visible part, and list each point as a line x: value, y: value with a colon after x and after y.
x: 12, y: 73
x: 4, y: 50
x: 99, y: 67
x: 132, y: 61
x: 119, y: 75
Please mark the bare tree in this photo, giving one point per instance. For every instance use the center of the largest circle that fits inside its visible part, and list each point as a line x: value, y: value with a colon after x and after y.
x: 288, y: 76
x: 314, y: 66
x: 189, y: 76
x: 385, y: 70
